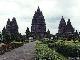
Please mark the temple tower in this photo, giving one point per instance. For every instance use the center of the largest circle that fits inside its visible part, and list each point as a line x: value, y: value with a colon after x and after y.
x: 62, y: 26
x: 69, y: 27
x: 38, y: 27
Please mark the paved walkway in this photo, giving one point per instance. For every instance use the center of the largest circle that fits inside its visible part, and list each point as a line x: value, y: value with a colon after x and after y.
x: 26, y: 52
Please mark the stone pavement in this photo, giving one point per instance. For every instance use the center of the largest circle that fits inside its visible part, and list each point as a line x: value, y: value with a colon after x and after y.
x: 25, y: 52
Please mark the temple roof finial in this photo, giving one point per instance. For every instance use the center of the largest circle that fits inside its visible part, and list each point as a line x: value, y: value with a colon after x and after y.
x: 38, y: 9
x: 8, y: 19
x: 69, y: 20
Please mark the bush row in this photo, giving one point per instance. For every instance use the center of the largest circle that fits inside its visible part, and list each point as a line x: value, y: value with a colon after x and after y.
x: 45, y: 53
x: 68, y: 50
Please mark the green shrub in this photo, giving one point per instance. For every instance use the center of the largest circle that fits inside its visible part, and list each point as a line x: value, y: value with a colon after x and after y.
x: 68, y: 49
x: 45, y: 53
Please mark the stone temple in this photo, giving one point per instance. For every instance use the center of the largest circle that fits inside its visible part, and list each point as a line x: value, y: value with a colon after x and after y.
x: 65, y: 29
x: 38, y: 27
x: 11, y: 29
x: 62, y: 26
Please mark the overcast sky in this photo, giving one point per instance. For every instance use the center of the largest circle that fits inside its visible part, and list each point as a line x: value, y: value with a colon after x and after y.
x: 52, y: 10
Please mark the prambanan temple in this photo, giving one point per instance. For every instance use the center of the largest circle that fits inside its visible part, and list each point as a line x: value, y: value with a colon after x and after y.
x: 12, y: 26
x: 38, y: 28
x: 10, y: 32
x: 66, y: 30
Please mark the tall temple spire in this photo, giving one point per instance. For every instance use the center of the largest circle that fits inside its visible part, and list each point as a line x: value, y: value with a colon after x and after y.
x: 65, y: 30
x: 62, y: 26
x: 38, y: 9
x: 62, y: 16
x: 69, y: 27
x: 38, y: 24
x: 68, y: 22
x: 62, y: 19
x: 8, y: 22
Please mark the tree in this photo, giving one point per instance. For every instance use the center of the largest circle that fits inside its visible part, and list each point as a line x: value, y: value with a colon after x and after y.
x: 3, y: 34
x: 27, y: 33
x: 0, y: 37
x: 6, y: 36
x: 48, y: 35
